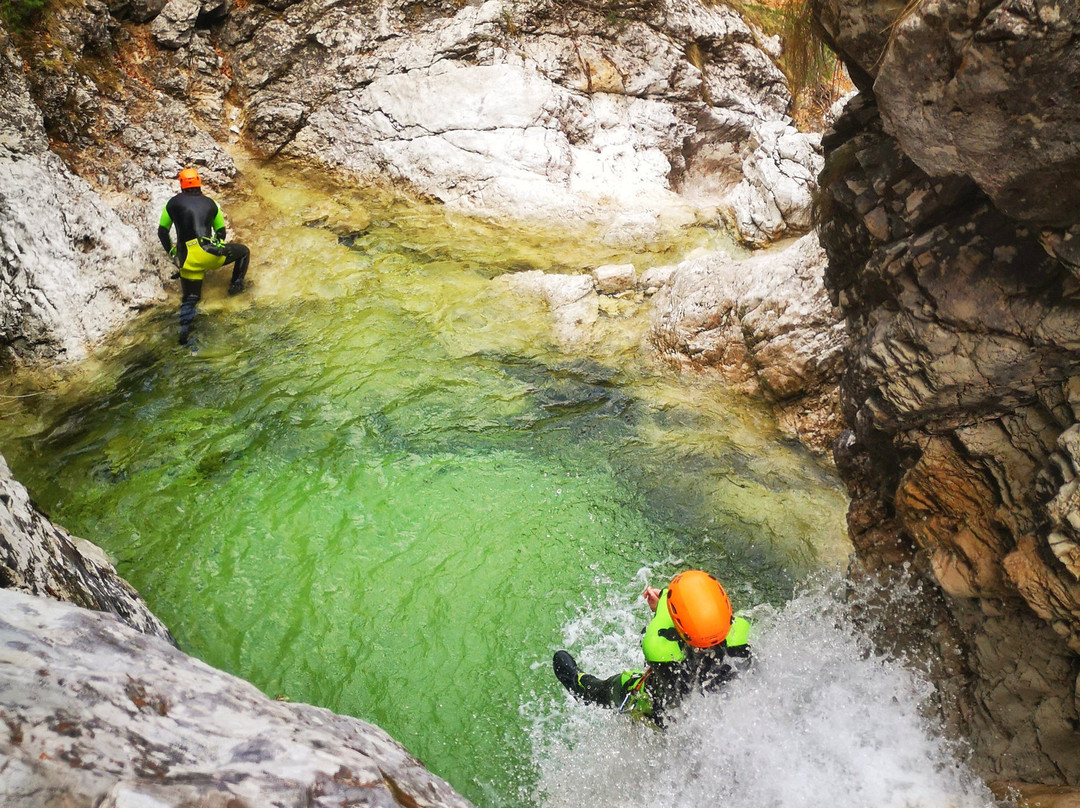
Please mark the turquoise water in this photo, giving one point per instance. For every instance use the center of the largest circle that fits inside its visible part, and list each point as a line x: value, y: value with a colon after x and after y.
x: 383, y: 486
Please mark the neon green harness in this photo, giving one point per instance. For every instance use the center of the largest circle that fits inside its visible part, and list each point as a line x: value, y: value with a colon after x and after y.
x: 199, y: 261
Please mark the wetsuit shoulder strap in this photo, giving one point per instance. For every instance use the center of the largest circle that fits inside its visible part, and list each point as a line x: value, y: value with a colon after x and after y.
x: 739, y: 634
x: 661, y: 643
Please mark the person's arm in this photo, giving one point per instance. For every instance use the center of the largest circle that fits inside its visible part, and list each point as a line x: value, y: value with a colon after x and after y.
x: 219, y: 224
x: 652, y: 596
x: 163, y: 234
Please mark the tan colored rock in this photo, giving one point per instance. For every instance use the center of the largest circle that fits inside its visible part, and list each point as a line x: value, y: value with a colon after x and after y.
x: 612, y: 279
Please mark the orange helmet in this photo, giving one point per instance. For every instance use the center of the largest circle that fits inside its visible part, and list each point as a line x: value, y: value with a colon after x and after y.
x: 700, y: 608
x: 189, y: 178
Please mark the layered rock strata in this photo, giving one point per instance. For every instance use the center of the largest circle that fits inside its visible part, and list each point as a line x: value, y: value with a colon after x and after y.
x: 95, y: 713
x: 954, y: 270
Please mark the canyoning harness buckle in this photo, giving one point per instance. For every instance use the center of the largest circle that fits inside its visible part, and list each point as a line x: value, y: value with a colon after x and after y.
x: 633, y: 692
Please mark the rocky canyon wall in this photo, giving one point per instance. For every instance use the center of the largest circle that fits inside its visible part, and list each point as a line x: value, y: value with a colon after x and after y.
x: 946, y: 211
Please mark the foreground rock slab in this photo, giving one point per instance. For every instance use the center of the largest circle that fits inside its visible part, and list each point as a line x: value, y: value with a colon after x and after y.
x: 96, y: 713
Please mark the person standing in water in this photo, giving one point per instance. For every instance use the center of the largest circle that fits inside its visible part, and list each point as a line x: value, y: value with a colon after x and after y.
x: 693, y: 644
x: 200, y: 245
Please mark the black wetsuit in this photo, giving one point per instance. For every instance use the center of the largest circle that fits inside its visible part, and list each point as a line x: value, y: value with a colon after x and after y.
x: 666, y: 684
x: 200, y: 245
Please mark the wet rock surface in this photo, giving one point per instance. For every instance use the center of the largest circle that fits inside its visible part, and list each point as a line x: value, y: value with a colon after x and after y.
x: 95, y: 713
x: 763, y: 324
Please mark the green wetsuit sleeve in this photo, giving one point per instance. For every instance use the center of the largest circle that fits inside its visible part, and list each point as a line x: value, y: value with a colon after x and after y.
x: 219, y: 224
x: 660, y: 643
x: 164, y: 223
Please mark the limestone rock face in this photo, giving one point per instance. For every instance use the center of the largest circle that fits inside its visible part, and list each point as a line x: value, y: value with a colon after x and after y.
x: 766, y: 324
x: 534, y: 109
x: 962, y: 396
x: 96, y: 713
x: 779, y: 178
x: 39, y: 558
x: 70, y: 269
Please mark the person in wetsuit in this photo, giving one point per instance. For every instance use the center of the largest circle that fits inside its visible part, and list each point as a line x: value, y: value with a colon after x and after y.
x: 200, y: 245
x: 693, y: 644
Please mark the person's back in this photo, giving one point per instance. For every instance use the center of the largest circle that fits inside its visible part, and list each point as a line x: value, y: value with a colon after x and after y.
x: 194, y: 216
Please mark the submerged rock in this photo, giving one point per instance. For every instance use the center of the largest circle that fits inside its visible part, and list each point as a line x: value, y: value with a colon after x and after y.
x: 780, y: 176
x: 96, y: 713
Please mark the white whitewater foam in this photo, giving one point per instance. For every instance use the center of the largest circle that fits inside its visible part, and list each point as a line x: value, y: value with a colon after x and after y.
x: 822, y: 720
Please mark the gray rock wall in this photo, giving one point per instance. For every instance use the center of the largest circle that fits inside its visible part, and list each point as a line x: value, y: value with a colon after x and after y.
x: 95, y: 713
x: 642, y: 115
x: 70, y: 269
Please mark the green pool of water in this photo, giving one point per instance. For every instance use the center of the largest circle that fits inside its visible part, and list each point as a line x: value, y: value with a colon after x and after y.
x: 381, y: 485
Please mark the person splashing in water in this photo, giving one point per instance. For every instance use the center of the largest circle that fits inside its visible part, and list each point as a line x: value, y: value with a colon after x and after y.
x: 200, y: 245
x: 694, y: 643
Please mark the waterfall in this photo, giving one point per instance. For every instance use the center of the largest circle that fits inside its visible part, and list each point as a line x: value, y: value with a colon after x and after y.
x: 821, y: 720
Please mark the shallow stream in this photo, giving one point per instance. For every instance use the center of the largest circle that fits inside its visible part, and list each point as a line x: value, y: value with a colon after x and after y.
x: 381, y: 486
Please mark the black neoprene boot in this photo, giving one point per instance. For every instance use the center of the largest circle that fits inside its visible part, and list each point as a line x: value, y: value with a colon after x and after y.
x: 566, y: 671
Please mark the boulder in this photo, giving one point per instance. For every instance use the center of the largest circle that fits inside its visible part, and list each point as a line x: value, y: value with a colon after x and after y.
x: 573, y: 303
x: 175, y: 25
x: 612, y: 279
x: 766, y: 324
x: 775, y: 196
x: 96, y: 713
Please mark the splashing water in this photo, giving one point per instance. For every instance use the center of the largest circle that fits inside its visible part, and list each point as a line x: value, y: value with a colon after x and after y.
x: 821, y: 720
